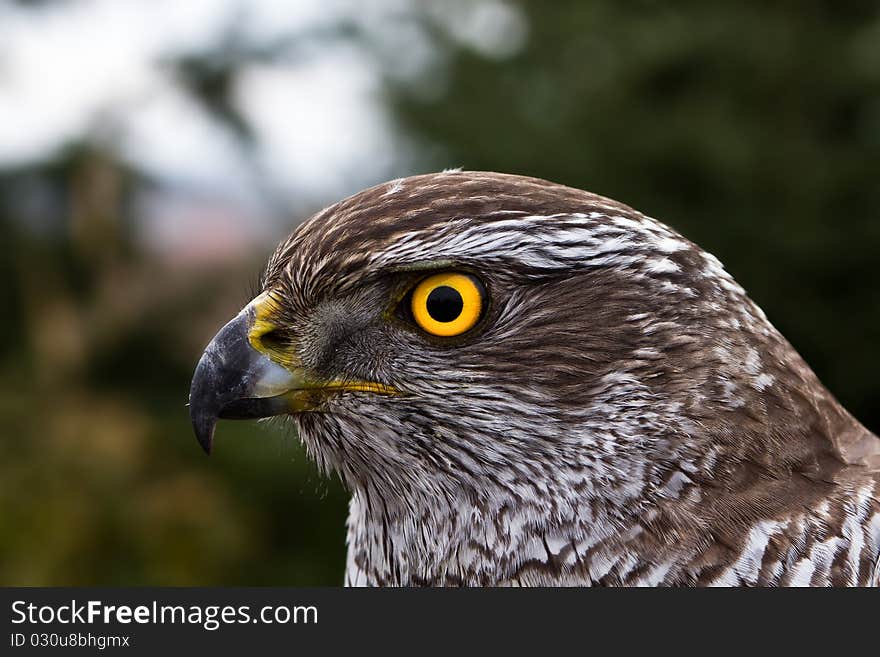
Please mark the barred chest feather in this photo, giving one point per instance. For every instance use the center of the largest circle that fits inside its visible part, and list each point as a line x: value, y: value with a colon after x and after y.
x: 833, y: 542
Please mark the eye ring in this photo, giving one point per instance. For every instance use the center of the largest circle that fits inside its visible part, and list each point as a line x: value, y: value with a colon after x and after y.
x: 448, y: 304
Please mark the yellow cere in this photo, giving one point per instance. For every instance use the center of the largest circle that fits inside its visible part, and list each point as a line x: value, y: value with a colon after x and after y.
x: 265, y: 307
x: 447, y: 304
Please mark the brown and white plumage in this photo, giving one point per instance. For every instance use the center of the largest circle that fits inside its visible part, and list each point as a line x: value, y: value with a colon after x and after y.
x: 623, y: 414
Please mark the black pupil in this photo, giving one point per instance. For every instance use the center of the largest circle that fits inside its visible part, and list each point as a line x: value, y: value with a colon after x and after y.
x: 444, y: 304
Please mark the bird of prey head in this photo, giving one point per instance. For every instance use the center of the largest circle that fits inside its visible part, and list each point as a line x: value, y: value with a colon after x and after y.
x: 524, y: 383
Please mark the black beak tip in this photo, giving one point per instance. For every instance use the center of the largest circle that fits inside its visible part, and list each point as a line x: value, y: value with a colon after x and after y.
x: 203, y: 425
x: 203, y: 406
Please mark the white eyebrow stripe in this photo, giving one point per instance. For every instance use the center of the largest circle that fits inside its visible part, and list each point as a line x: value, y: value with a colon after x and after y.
x: 542, y: 241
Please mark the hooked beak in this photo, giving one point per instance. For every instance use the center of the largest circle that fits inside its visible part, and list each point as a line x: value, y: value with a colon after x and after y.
x: 233, y: 380
x: 236, y: 379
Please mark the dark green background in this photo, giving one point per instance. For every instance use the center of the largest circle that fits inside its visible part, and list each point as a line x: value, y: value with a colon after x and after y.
x: 751, y: 127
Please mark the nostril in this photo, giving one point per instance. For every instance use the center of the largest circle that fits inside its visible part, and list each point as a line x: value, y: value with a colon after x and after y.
x: 274, y: 339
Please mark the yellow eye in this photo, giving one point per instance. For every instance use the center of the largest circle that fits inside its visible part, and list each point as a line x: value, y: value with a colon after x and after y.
x: 447, y: 304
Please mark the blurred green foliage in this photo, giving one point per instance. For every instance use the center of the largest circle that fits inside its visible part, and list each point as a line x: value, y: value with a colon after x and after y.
x: 101, y: 481
x: 753, y: 128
